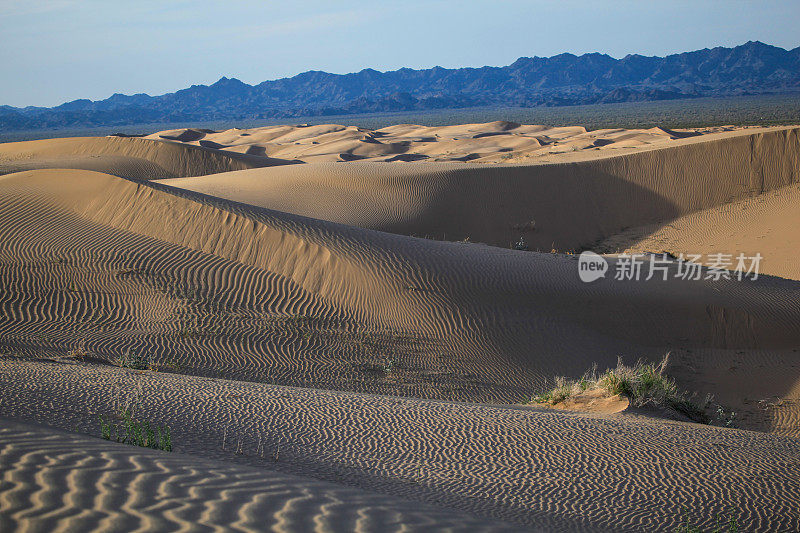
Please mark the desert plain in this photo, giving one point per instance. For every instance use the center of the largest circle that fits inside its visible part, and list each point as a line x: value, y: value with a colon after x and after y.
x: 343, y: 328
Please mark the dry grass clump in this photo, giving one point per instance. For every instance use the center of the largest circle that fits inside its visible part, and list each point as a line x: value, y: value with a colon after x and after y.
x: 643, y: 384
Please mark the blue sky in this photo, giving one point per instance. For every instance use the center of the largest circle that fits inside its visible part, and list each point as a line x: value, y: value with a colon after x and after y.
x: 60, y: 50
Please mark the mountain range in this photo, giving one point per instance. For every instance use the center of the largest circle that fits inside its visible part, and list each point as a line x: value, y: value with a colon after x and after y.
x: 564, y: 79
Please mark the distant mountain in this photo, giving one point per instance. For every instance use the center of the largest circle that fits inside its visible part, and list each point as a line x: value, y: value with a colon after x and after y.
x: 565, y: 79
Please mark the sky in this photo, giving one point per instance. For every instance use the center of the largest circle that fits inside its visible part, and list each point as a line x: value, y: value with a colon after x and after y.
x: 61, y: 50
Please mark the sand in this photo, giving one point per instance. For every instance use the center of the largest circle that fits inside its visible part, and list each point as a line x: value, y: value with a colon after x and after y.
x: 534, y: 468
x: 57, y: 481
x: 123, y: 156
x: 491, y: 142
x: 237, y: 282
x: 562, y: 207
x: 766, y: 224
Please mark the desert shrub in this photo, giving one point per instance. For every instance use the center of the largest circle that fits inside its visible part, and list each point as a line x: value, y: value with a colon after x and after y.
x: 643, y: 384
x: 135, y: 361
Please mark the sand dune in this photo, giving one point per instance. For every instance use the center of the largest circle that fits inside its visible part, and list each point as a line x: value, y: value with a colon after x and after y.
x: 561, y: 206
x: 123, y: 156
x: 279, y: 276
x: 54, y: 481
x: 491, y: 142
x: 258, y: 294
x: 544, y: 469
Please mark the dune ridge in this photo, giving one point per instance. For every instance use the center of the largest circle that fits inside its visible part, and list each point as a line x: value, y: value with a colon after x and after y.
x: 129, y: 157
x: 491, y: 142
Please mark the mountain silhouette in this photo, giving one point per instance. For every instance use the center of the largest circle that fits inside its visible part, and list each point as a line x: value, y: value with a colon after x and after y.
x: 564, y: 79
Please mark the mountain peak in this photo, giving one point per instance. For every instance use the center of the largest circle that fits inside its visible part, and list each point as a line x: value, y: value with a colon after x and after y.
x: 565, y: 79
x: 228, y: 82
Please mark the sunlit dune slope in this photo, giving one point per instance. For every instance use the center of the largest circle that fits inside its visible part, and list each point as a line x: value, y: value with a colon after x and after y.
x: 491, y: 142
x: 768, y: 224
x: 128, y: 157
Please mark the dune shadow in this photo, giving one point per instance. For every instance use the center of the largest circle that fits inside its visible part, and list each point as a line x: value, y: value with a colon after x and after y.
x: 212, y: 144
x: 253, y: 149
x: 563, y: 207
x: 408, y: 157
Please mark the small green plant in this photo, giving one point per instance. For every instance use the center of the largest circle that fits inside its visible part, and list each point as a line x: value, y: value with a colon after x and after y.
x: 563, y: 390
x: 129, y: 430
x: 722, y: 525
x: 173, y: 364
x: 135, y: 361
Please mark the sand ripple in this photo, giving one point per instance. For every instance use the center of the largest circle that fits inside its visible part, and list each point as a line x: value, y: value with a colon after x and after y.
x: 54, y: 481
x: 554, y: 470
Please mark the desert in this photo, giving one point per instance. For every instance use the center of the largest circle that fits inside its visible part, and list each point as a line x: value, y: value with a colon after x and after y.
x: 368, y: 323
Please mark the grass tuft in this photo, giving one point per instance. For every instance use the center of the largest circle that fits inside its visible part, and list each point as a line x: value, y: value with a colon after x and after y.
x: 722, y: 525
x: 643, y: 384
x: 129, y: 430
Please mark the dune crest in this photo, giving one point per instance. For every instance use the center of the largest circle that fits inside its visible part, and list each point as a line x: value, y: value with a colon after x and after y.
x: 129, y: 157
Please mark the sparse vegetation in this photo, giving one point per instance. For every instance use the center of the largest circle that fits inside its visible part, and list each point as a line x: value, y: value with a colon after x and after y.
x: 643, y: 384
x: 520, y: 245
x: 725, y: 418
x: 135, y: 361
x: 722, y: 525
x: 173, y: 364
x: 129, y: 430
